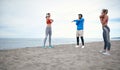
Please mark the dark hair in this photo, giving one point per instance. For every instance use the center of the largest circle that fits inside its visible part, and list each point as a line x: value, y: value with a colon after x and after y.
x: 47, y: 15
x: 105, y: 11
x: 80, y: 16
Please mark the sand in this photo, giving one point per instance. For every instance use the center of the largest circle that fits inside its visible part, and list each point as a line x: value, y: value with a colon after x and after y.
x: 61, y: 57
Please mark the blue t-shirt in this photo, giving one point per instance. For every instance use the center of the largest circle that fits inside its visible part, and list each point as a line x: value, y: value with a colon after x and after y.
x: 79, y: 23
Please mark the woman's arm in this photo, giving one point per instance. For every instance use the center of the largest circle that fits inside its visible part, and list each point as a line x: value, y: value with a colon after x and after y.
x: 104, y: 20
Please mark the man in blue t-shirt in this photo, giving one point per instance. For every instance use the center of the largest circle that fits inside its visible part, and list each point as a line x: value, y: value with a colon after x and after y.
x: 80, y: 28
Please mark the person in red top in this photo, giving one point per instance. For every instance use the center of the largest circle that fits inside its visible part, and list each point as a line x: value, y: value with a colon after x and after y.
x: 106, y: 32
x: 48, y: 30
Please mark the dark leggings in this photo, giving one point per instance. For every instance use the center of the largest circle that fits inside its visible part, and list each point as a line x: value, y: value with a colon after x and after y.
x: 81, y: 40
x: 106, y: 37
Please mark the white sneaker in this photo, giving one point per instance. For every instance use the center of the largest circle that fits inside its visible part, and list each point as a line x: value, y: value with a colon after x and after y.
x: 106, y: 53
x: 77, y: 46
x: 102, y: 51
x: 82, y: 46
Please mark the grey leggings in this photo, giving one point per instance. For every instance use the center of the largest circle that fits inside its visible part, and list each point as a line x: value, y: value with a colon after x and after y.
x: 106, y: 37
x: 48, y: 32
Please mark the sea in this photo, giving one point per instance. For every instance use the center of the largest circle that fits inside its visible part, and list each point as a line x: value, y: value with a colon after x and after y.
x: 15, y: 43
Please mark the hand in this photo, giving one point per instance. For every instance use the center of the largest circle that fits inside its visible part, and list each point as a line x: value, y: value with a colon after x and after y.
x: 51, y: 20
x: 101, y: 16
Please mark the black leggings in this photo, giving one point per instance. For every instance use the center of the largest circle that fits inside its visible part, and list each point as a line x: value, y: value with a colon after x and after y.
x: 81, y: 40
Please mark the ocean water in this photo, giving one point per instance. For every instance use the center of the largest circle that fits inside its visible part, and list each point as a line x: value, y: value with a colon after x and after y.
x: 13, y: 43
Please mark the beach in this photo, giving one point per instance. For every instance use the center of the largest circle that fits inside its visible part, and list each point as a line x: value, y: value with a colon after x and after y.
x: 61, y: 57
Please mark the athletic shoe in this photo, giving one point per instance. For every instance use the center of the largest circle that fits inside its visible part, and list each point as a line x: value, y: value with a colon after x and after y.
x: 50, y: 47
x: 106, y: 53
x: 77, y: 46
x: 82, y: 46
x: 43, y: 47
x: 102, y: 51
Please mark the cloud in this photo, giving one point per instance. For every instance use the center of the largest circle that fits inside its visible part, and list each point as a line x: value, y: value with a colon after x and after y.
x: 26, y: 18
x: 115, y: 19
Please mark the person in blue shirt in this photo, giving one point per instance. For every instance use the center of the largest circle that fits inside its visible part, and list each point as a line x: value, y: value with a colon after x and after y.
x: 80, y: 28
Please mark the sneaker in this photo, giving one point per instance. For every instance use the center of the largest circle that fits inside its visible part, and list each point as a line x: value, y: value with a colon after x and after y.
x: 50, y: 47
x: 77, y: 46
x: 102, y: 51
x: 43, y: 47
x: 106, y: 53
x: 82, y: 46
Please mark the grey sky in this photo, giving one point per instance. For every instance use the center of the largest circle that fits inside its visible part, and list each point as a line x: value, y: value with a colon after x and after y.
x: 26, y: 18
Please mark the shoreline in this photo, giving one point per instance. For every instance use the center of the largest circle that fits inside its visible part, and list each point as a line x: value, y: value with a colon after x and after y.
x: 54, y: 45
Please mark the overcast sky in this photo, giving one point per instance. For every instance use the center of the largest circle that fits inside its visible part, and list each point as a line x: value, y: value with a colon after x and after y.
x: 26, y: 18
